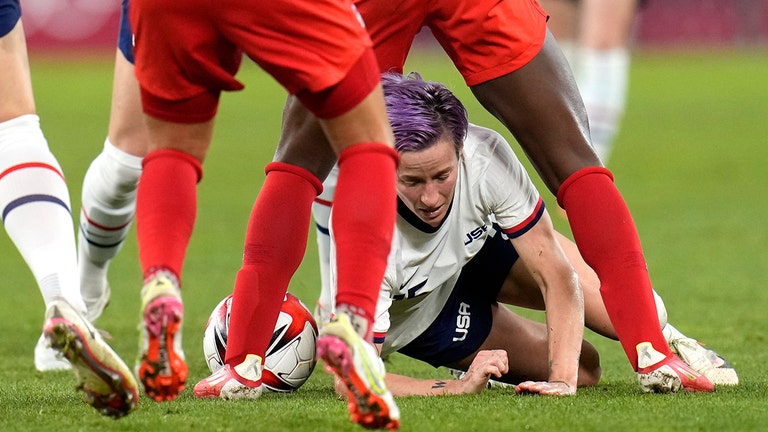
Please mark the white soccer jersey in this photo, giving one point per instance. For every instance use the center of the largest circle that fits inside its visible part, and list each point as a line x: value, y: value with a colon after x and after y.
x: 492, y: 187
x: 425, y: 262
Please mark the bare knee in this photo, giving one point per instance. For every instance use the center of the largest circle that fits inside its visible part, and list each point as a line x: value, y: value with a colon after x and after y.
x: 589, y: 366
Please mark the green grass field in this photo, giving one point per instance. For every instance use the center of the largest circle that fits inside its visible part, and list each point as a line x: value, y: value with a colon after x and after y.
x: 690, y: 161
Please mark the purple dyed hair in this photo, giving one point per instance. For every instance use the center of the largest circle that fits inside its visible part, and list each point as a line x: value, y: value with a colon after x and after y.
x: 421, y: 112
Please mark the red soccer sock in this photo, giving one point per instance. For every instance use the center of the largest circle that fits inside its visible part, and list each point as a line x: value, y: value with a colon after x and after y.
x: 607, y: 239
x: 364, y: 211
x: 166, y: 208
x: 274, y: 247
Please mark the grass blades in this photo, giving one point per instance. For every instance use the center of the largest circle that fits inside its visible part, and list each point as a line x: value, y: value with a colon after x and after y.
x: 690, y: 161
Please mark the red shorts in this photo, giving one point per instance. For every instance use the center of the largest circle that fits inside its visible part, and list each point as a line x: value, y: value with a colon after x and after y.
x: 187, y: 52
x: 485, y: 39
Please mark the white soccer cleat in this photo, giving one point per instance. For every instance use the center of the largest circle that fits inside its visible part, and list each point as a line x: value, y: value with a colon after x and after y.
x: 240, y: 382
x: 660, y: 374
x: 704, y: 360
x: 359, y: 366
x: 105, y: 380
x: 48, y: 359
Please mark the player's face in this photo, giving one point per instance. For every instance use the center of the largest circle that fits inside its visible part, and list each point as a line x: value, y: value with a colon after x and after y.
x: 426, y: 180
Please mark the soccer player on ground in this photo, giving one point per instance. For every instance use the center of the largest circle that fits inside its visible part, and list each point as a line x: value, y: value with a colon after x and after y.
x: 186, y: 55
x: 472, y: 235
x: 528, y: 86
x: 594, y: 36
x: 515, y: 68
x: 34, y: 200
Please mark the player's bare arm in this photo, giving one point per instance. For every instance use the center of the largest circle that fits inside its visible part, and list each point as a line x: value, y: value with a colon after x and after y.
x: 487, y: 364
x: 564, y: 302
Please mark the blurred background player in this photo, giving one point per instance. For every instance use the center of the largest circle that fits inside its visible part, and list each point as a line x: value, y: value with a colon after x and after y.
x: 186, y: 55
x: 34, y: 200
x: 454, y: 177
x: 595, y: 37
x: 528, y: 85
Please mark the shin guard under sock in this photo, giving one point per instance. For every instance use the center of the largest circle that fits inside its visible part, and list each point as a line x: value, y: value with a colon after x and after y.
x: 166, y: 208
x: 607, y: 239
x: 363, y: 219
x: 275, y: 243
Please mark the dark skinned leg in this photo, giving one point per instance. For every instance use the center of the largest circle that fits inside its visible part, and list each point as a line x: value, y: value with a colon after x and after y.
x: 302, y: 141
x: 540, y: 105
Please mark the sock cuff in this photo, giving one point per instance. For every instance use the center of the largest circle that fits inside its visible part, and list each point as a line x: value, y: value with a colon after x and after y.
x: 122, y: 157
x: 372, y: 147
x: 175, y: 154
x: 296, y: 170
x: 23, y: 144
x: 577, y: 176
x: 162, y: 271
x: 25, y: 121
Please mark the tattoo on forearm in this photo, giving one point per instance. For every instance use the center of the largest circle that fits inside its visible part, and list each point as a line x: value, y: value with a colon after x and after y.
x: 438, y: 385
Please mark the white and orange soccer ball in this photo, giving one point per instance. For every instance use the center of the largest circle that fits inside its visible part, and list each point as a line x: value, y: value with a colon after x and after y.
x: 290, y: 357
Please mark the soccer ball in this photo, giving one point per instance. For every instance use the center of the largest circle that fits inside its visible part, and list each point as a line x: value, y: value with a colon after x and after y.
x: 290, y: 357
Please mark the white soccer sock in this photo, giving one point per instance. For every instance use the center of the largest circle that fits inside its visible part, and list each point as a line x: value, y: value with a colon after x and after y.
x: 321, y: 212
x: 602, y: 77
x: 108, y: 207
x: 670, y: 332
x: 661, y: 309
x: 325, y: 300
x: 35, y: 205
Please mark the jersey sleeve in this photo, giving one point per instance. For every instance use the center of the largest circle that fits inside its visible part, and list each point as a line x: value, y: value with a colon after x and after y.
x: 506, y: 189
x: 381, y: 320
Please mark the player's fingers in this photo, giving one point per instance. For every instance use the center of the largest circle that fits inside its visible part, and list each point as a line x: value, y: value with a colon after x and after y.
x: 496, y: 368
x: 525, y: 387
x: 560, y: 388
x: 498, y: 359
x: 492, y: 370
x: 503, y: 361
x: 545, y: 388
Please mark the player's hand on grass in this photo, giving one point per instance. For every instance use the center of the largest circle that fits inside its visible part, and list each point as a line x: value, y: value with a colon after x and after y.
x: 547, y: 388
x: 486, y: 365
